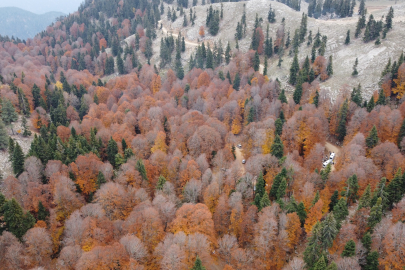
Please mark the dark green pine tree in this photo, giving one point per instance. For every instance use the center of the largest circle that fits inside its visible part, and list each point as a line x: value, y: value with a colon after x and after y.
x: 365, y: 199
x: 198, y: 264
x: 43, y: 213
x: 355, y: 72
x: 381, y: 98
x: 228, y: 54
x: 347, y: 40
x: 302, y: 214
x: 124, y: 144
x: 367, y: 241
x: 148, y: 50
x: 36, y: 95
x: 370, y: 104
x: 100, y: 179
x: 179, y: 66
x: 396, y: 188
x: 256, y: 201
x: 298, y: 92
x: 26, y: 131
x: 112, y: 150
x: 228, y: 76
x: 320, y: 264
x: 341, y: 129
x: 281, y: 189
x: 329, y: 231
x: 4, y: 138
x: 140, y: 167
x: 352, y: 189
x: 265, y: 66
x: 340, y: 211
x: 277, y: 148
x: 256, y: 61
x: 279, y: 126
x: 260, y: 185
x: 315, y: 101
x: 251, y: 115
x: 375, y: 214
x: 350, y: 249
x: 16, y: 221
x: 329, y: 68
x: 11, y: 146
x: 271, y: 17
x: 264, y: 201
x: 8, y: 114
x: 236, y: 82
x: 161, y: 182
x: 18, y: 160
x: 372, y: 262
x: 313, y: 251
x: 333, y: 200
x: 294, y: 70
x: 401, y: 133
x: 372, y: 139
x: 210, y: 58
x: 120, y: 64
x: 380, y: 192
x: 277, y: 181
x: 282, y: 96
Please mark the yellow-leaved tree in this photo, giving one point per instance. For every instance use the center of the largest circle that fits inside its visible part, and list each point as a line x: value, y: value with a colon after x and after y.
x: 160, y: 143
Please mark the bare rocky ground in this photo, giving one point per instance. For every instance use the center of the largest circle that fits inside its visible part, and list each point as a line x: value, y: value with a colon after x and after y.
x: 15, y: 131
x: 372, y: 58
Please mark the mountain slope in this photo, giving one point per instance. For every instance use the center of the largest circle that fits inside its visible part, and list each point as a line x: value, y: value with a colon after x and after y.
x: 24, y: 24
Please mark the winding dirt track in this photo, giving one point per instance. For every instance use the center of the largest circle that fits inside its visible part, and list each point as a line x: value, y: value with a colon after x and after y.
x: 165, y: 31
x: 239, y: 158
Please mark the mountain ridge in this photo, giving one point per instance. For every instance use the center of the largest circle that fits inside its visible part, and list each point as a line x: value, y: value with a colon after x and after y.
x: 24, y: 24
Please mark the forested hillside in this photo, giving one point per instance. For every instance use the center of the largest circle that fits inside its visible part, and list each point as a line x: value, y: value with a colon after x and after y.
x: 153, y: 150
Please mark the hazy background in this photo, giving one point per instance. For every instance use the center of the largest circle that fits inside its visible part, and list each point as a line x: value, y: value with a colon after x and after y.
x: 43, y: 6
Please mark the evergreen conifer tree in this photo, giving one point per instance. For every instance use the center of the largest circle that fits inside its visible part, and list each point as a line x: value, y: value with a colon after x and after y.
x: 381, y: 98
x: 294, y: 70
x: 315, y: 101
x: 367, y: 241
x: 120, y: 64
x: 340, y: 211
x: 313, y: 250
x: 372, y: 262
x: 161, y: 182
x: 329, y: 231
x: 140, y: 167
x: 298, y: 92
x: 320, y: 264
x: 371, y: 104
x: 265, y: 66
x: 43, y: 213
x: 260, y: 185
x: 355, y: 72
x: 277, y: 149
x: 365, y: 199
x: 112, y: 150
x: 282, y: 96
x: 341, y: 129
x: 279, y: 127
x: 277, y: 181
x: 333, y: 200
x: 8, y: 114
x: 302, y: 214
x: 26, y: 131
x: 100, y: 180
x: 396, y: 188
x: 18, y: 160
x: 198, y: 264
x: 347, y: 40
x: 329, y: 68
x: 264, y: 201
x: 350, y: 249
x: 256, y: 61
x: 281, y: 189
x: 16, y: 221
x: 228, y: 54
x: 4, y: 138
x: 236, y: 82
x: 375, y: 214
x: 372, y: 139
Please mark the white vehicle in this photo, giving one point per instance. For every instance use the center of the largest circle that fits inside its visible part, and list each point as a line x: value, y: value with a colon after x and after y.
x: 239, y: 146
x: 244, y: 161
x: 332, y: 156
x: 326, y: 163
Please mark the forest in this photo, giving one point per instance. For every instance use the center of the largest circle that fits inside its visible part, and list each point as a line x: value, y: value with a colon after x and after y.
x: 135, y: 164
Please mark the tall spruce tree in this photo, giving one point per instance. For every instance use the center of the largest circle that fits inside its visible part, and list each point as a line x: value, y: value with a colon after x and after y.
x: 375, y: 214
x: 18, y: 160
x: 277, y: 148
x: 112, y: 150
x: 43, y: 213
x: 372, y: 262
x: 8, y: 114
x: 372, y: 139
x: 4, y: 139
x: 294, y: 70
x: 340, y: 211
x: 236, y: 82
x: 347, y: 40
x: 350, y: 249
x: 140, y: 167
x: 396, y: 188
x: 198, y: 264
x: 15, y: 220
x: 256, y: 62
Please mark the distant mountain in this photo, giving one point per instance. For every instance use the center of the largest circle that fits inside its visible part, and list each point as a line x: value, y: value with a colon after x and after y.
x: 24, y: 24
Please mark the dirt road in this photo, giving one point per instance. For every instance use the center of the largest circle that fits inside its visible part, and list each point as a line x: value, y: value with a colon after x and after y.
x: 239, y: 157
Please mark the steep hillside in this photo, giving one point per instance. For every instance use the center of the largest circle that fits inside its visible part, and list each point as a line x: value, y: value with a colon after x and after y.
x: 24, y: 24
x: 372, y: 58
